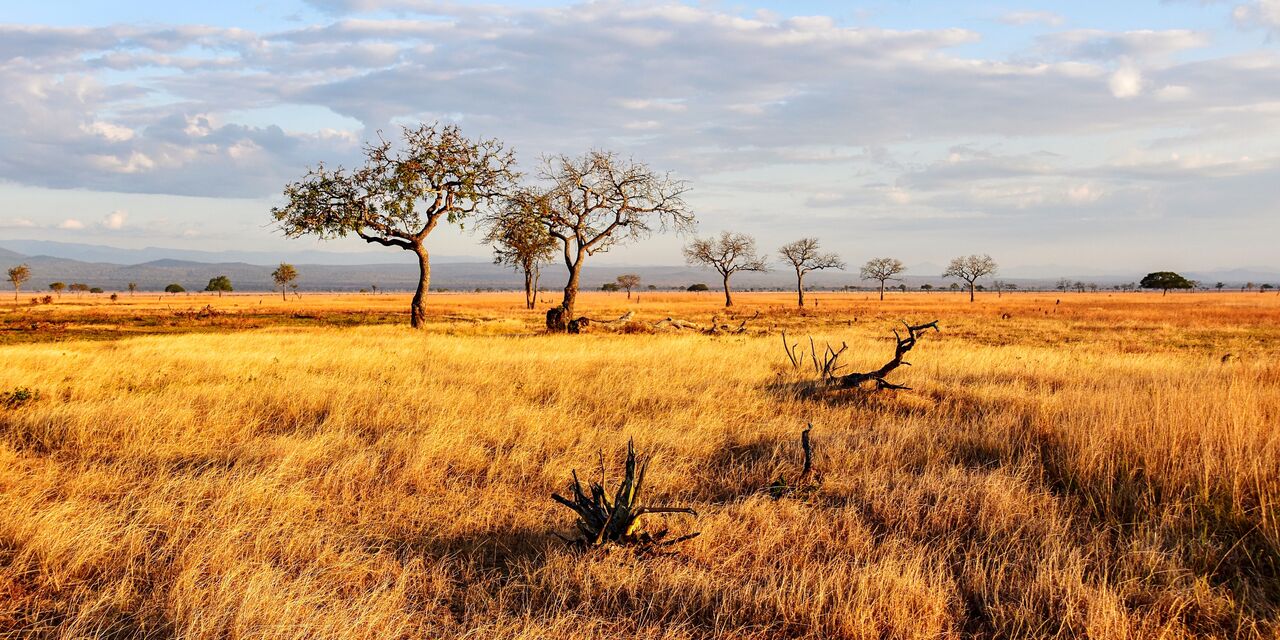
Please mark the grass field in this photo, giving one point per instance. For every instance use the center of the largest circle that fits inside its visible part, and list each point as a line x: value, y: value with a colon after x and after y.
x: 1065, y: 465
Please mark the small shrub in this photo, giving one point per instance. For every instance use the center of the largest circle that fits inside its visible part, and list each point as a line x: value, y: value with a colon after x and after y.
x: 18, y: 397
x: 601, y: 522
x: 46, y: 300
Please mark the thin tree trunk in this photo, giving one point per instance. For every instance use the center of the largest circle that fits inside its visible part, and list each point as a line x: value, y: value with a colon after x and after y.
x: 533, y: 293
x: 418, y: 308
x: 528, y: 288
x: 728, y: 299
x: 882, y: 289
x: 284, y: 293
x: 800, y: 288
x: 970, y: 291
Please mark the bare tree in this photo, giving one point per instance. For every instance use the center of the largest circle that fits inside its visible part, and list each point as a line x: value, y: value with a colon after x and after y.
x: 284, y: 275
x: 18, y: 275
x: 133, y: 287
x: 599, y: 201
x: 970, y: 268
x: 882, y: 269
x: 727, y: 254
x: 399, y: 196
x: 520, y: 239
x: 804, y: 256
x: 628, y: 281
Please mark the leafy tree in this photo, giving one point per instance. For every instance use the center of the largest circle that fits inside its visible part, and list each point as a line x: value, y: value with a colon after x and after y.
x: 600, y: 201
x: 78, y: 287
x: 1165, y: 280
x: 174, y: 288
x: 1219, y: 286
x: 219, y: 284
x: 133, y: 287
x: 698, y: 287
x: 610, y: 287
x: 970, y: 269
x: 804, y: 256
x: 520, y: 239
x: 58, y: 288
x: 882, y: 269
x: 727, y: 254
x: 398, y: 197
x: 628, y: 281
x: 926, y: 287
x: 95, y: 290
x: 18, y: 275
x: 1266, y: 287
x: 283, y: 276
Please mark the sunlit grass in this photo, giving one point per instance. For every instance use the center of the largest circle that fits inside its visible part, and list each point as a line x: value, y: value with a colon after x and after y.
x: 1087, y: 465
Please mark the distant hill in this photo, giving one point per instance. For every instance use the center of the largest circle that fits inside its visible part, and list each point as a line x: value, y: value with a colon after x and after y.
x: 116, y: 255
x: 158, y: 270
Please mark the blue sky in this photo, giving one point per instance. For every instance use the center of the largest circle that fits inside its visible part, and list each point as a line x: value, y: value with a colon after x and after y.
x: 1133, y: 135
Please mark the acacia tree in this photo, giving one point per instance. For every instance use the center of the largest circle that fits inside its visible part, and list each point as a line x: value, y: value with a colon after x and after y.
x: 18, y: 275
x: 58, y: 288
x: 1166, y: 280
x: 599, y: 201
x: 133, y: 286
x: 727, y: 254
x: 399, y: 196
x: 804, y: 256
x: 219, y: 284
x: 882, y: 269
x: 970, y: 268
x: 283, y: 276
x: 628, y: 281
x: 520, y: 240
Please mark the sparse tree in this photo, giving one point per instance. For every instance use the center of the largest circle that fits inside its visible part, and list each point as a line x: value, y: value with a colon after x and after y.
x: 17, y: 276
x: 882, y: 269
x: 398, y: 197
x: 1219, y: 286
x: 520, y: 239
x: 1165, y: 280
x: 219, y: 284
x: 628, y: 281
x: 926, y: 287
x: 970, y: 269
x: 727, y: 254
x: 1063, y: 285
x: 283, y: 276
x: 599, y: 201
x: 58, y: 288
x: 804, y: 256
x: 78, y: 287
x: 133, y: 287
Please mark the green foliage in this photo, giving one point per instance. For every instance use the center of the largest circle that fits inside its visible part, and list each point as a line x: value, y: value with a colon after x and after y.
x: 174, y: 288
x: 698, y: 287
x: 610, y: 286
x: 284, y: 275
x: 19, y: 397
x: 1165, y: 280
x: 601, y: 522
x: 219, y: 284
x: 58, y: 287
x: 95, y: 290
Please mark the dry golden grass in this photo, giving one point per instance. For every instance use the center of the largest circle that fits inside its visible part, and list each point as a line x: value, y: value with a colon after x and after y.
x: 1089, y: 467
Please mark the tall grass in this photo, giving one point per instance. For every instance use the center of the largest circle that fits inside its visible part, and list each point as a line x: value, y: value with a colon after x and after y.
x: 1087, y: 468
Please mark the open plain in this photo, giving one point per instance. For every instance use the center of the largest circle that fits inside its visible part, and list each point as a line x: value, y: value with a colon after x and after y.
x: 1064, y: 465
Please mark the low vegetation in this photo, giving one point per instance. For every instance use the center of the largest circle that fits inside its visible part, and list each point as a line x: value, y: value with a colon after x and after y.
x: 1088, y: 465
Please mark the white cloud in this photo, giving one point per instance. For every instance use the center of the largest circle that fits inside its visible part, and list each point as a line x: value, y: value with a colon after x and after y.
x: 1022, y: 18
x: 1126, y: 82
x: 1261, y: 14
x: 115, y: 220
x: 71, y: 224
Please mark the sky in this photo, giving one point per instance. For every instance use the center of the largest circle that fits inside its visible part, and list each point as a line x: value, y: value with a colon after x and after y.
x: 1104, y: 136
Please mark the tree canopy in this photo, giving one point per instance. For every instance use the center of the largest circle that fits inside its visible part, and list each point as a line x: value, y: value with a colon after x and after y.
x: 1164, y: 281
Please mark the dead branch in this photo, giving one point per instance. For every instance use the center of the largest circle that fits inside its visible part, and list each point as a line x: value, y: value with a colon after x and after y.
x: 623, y: 318
x: 904, y: 345
x: 676, y: 323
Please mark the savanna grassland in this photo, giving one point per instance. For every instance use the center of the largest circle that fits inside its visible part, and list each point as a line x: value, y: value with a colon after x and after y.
x: 1065, y: 465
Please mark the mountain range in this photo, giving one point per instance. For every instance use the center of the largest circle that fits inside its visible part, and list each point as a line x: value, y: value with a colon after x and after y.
x: 153, y: 268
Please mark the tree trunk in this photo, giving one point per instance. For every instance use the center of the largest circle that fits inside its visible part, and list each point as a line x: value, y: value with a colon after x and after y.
x: 882, y: 289
x: 284, y: 293
x: 418, y: 308
x: 800, y: 288
x: 528, y: 288
x: 628, y: 293
x: 970, y: 291
x: 728, y: 299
